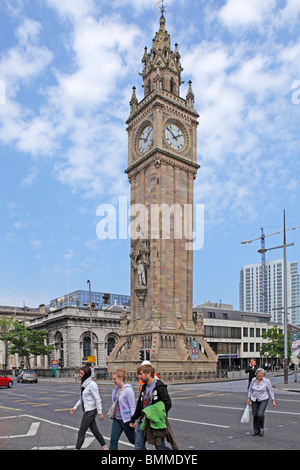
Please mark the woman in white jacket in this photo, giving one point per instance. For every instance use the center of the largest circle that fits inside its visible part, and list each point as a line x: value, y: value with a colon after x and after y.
x: 91, y: 405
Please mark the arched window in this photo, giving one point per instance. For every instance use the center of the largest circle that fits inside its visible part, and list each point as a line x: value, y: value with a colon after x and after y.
x: 110, y: 345
x: 86, y: 347
x: 172, y: 85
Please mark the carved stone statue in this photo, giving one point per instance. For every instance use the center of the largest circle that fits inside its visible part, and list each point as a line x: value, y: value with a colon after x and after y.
x: 141, y: 273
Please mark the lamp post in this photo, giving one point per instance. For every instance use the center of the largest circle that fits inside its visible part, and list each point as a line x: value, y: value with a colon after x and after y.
x: 91, y: 323
x: 284, y: 246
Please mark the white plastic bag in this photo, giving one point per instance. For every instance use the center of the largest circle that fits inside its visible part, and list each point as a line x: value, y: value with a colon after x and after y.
x: 246, y: 415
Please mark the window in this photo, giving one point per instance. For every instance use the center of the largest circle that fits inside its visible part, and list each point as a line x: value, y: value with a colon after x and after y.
x: 110, y: 345
x: 86, y: 347
x: 245, y: 332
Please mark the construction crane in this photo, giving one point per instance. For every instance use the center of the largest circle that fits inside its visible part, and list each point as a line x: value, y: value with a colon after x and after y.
x: 263, y: 250
x: 263, y: 262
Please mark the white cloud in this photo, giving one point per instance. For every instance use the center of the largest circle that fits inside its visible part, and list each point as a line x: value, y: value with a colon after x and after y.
x: 291, y: 12
x: 73, y: 107
x: 245, y: 13
x: 30, y: 178
x: 74, y: 9
x: 26, y: 60
x: 240, y: 90
x: 20, y: 225
x: 242, y: 93
x: 36, y: 244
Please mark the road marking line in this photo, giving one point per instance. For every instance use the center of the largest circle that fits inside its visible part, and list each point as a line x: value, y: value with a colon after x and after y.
x: 181, y: 398
x: 13, y: 409
x: 242, y: 409
x: 42, y: 404
x: 86, y: 444
x: 198, y: 422
x: 32, y: 432
x: 69, y: 427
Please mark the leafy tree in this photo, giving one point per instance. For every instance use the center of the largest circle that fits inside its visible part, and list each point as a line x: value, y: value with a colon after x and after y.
x: 275, y: 346
x: 6, y: 324
x: 25, y: 342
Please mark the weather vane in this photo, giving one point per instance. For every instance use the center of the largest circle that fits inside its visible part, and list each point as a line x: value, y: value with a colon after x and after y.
x: 162, y: 7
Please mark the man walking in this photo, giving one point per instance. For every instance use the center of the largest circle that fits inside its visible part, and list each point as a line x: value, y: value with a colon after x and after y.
x: 153, y: 392
x: 251, y: 370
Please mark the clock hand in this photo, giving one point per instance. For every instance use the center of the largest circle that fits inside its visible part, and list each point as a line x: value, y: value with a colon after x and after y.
x: 171, y: 132
x: 148, y: 136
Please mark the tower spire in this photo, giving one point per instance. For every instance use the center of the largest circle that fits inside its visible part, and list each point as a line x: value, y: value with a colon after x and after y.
x: 162, y: 67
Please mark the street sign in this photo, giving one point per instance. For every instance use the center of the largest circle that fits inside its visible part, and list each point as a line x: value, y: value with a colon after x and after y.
x: 195, y: 350
x: 92, y: 359
x: 295, y: 342
x: 54, y: 364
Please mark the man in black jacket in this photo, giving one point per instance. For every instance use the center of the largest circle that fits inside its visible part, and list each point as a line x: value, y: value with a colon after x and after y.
x: 153, y: 391
x: 251, y: 370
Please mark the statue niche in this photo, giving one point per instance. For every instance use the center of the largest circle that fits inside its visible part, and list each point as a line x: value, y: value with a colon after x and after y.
x: 140, y: 251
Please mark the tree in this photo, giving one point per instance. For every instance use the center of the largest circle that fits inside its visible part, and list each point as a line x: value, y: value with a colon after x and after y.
x: 25, y: 342
x: 6, y: 324
x: 274, y: 348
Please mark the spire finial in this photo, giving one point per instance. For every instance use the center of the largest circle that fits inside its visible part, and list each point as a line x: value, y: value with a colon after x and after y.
x: 161, y: 7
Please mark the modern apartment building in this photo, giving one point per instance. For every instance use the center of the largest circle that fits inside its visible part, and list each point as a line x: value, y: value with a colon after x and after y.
x: 252, y: 291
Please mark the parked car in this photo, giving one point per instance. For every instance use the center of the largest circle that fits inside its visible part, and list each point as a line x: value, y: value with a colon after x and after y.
x: 5, y: 381
x: 27, y: 376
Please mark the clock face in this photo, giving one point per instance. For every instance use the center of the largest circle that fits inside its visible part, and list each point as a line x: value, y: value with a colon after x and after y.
x: 146, y: 139
x: 174, y: 137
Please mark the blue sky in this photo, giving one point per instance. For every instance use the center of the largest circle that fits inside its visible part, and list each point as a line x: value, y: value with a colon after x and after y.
x: 66, y: 74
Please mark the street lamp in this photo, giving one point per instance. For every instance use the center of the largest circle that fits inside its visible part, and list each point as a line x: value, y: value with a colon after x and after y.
x: 91, y: 323
x: 284, y: 246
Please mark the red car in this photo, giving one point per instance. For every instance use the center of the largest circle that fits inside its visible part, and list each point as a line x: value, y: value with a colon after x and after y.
x: 5, y: 381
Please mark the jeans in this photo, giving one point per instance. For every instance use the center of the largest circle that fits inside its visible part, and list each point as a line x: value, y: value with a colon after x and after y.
x: 140, y: 441
x: 258, y: 412
x: 89, y: 421
x: 118, y: 426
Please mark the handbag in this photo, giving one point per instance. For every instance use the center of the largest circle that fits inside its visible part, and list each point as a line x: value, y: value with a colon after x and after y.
x: 111, y: 412
x: 246, y: 415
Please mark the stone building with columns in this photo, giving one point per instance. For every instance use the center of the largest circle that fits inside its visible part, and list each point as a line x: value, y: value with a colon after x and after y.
x: 69, y: 331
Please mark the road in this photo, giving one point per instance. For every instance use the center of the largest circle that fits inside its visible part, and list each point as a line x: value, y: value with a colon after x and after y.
x: 203, y: 417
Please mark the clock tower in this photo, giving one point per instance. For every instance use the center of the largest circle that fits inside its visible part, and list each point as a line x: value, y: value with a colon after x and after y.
x: 162, y: 166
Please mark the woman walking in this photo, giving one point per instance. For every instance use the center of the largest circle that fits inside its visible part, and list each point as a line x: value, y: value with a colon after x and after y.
x: 123, y: 395
x: 91, y: 405
x: 259, y: 392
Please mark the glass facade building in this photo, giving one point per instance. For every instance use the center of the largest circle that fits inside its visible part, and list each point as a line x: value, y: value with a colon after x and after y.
x: 81, y: 299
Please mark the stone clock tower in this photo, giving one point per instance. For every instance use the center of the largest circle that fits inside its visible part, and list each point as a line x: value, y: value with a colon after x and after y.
x: 162, y: 166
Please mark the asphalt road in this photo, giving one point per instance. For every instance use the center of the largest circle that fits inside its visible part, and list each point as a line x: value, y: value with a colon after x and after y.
x: 203, y: 417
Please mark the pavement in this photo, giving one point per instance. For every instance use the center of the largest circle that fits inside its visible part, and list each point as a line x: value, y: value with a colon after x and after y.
x: 291, y: 386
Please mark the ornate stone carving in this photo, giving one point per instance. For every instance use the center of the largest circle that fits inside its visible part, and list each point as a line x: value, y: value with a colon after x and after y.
x: 155, y: 318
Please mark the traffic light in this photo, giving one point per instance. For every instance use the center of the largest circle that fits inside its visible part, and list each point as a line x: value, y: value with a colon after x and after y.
x: 145, y: 355
x: 142, y: 355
